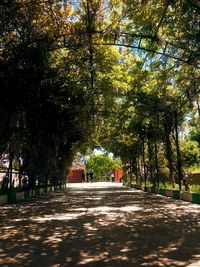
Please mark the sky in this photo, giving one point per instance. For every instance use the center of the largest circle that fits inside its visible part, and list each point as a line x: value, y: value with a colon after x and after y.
x: 101, y: 151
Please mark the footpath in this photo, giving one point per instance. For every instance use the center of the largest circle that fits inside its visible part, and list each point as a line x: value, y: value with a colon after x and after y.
x: 100, y: 225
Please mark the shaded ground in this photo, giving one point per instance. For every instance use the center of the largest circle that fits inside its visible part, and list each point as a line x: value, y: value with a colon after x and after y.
x: 100, y: 225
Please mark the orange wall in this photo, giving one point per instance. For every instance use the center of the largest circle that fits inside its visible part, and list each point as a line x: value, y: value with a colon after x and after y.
x: 118, y: 173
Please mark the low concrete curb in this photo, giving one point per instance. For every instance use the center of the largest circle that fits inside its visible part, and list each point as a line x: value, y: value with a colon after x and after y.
x: 14, y: 196
x: 19, y: 196
x: 3, y: 199
x: 173, y: 193
x: 191, y: 197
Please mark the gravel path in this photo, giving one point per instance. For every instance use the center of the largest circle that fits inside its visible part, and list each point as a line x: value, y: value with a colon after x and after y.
x: 100, y: 225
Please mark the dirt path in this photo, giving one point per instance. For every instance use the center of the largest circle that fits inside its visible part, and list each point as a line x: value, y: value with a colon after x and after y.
x: 100, y: 225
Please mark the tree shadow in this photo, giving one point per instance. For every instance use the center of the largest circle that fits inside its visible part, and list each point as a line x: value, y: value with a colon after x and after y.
x: 100, y: 227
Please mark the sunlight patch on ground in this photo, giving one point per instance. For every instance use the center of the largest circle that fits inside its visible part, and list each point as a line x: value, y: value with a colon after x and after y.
x: 53, y: 240
x: 101, y: 257
x: 58, y: 217
x: 9, y: 234
x: 159, y: 258
x: 125, y: 249
x: 89, y: 226
x: 173, y: 207
x: 87, y: 258
x: 7, y: 227
x: 94, y: 185
x: 78, y: 212
x: 164, y: 262
x: 196, y: 263
x: 106, y: 209
x: 82, y: 210
x: 13, y: 260
x: 93, y: 198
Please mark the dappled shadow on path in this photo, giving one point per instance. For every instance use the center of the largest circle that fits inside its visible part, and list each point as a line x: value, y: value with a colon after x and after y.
x: 103, y: 226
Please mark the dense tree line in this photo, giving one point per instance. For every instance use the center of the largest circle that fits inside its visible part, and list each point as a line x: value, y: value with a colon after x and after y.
x: 122, y: 74
x: 45, y: 109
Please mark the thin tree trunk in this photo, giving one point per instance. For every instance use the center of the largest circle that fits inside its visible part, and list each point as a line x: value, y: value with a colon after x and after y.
x: 198, y: 107
x: 156, y: 164
x: 150, y: 154
x: 11, y: 157
x: 124, y: 173
x: 90, y: 49
x: 178, y: 154
x: 136, y: 170
x: 168, y: 152
x: 144, y: 165
x: 139, y: 168
x: 131, y: 171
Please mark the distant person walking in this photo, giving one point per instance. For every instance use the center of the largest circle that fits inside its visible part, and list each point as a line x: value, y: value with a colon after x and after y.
x: 87, y: 176
x: 91, y: 176
x: 82, y: 177
x: 5, y: 182
x: 112, y: 177
x: 185, y: 181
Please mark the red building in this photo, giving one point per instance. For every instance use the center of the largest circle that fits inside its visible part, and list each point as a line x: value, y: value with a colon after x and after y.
x: 75, y: 175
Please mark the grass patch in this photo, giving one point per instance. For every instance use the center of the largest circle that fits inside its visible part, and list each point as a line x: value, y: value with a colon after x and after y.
x: 195, y: 188
x: 193, y: 169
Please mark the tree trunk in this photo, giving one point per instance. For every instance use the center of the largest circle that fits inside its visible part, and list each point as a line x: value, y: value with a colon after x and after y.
x: 144, y: 165
x: 156, y: 164
x: 124, y: 172
x: 178, y: 154
x: 198, y: 107
x: 168, y: 152
x: 136, y: 170
x: 150, y: 155
x: 131, y: 171
x: 11, y: 157
x: 139, y: 167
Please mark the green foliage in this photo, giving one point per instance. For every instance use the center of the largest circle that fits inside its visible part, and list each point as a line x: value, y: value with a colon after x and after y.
x: 194, y: 135
x: 193, y: 169
x: 195, y: 188
x: 191, y: 153
x: 101, y: 165
x: 72, y: 79
x: 44, y: 107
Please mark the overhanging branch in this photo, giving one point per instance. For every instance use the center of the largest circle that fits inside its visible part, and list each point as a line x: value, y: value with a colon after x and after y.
x: 164, y: 54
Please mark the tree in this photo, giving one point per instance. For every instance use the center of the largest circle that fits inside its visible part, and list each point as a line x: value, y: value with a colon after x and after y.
x: 102, y: 166
x: 191, y: 153
x: 120, y: 74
